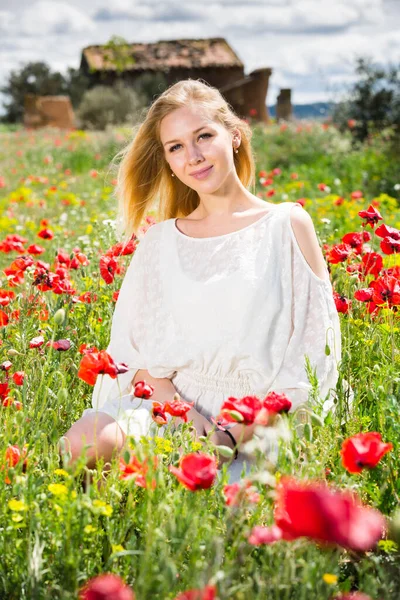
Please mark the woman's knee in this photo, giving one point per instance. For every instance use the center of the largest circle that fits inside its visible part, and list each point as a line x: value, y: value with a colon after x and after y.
x: 100, y: 432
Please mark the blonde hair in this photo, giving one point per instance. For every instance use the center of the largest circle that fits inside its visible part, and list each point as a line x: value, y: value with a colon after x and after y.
x: 144, y: 174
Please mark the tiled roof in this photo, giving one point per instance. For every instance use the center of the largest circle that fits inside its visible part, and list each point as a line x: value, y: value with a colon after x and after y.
x: 188, y: 53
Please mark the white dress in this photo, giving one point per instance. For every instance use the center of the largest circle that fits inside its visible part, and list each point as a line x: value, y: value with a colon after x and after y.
x: 229, y: 315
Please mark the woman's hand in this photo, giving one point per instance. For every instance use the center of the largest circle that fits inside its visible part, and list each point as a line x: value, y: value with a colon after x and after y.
x: 219, y: 438
x: 201, y: 425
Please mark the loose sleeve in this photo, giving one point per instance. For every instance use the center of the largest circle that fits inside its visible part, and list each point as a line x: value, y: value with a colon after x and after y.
x: 126, y: 322
x: 315, y: 333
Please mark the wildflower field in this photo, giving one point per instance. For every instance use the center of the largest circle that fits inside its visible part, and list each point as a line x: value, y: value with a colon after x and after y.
x: 319, y: 519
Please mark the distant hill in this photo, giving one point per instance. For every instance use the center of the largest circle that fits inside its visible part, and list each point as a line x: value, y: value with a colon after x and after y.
x: 317, y: 110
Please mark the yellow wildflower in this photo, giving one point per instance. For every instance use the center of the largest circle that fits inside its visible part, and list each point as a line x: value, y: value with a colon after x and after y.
x: 61, y: 472
x: 89, y: 529
x: 17, y: 505
x: 58, y: 489
x: 102, y: 508
x: 117, y: 548
x: 329, y: 578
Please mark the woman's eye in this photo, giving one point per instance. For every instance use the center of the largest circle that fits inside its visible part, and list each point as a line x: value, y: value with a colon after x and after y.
x: 176, y: 145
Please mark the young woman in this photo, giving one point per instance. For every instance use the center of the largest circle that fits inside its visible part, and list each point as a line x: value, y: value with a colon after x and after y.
x: 225, y: 296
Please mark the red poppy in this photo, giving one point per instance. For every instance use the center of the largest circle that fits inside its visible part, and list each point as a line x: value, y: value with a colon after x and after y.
x: 98, y: 363
x: 158, y: 413
x: 106, y: 587
x: 354, y: 240
x: 178, y: 408
x: 264, y: 535
x: 36, y: 342
x: 18, y: 377
x: 236, y: 492
x: 364, y: 295
x: 196, y: 471
x: 356, y: 195
x: 372, y: 263
x: 243, y: 410
x: 386, y: 290
x: 314, y: 510
x: 363, y: 450
x: 35, y: 249
x: 389, y: 245
x: 137, y: 471
x: 342, y: 303
x: 385, y: 231
x: 143, y: 390
x: 352, y: 596
x: 46, y: 234
x: 338, y: 253
x: 207, y: 593
x: 371, y: 215
x: 108, y: 268
x: 60, y: 345
x: 85, y: 349
x: 277, y: 403
x: 6, y: 296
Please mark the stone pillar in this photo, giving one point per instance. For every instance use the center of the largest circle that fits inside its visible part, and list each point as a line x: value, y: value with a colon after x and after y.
x: 284, y: 105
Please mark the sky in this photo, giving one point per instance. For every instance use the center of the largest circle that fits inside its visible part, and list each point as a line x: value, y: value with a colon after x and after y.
x: 311, y: 45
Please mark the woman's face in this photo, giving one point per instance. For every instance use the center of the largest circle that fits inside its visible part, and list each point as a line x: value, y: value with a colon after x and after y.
x: 192, y: 142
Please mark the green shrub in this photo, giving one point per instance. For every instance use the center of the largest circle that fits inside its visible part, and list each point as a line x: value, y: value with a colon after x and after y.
x: 103, y: 105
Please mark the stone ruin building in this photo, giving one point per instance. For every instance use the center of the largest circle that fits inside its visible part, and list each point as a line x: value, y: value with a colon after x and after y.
x: 211, y: 59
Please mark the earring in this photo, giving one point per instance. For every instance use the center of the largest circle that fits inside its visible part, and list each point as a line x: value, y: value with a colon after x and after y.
x: 236, y: 150
x: 172, y: 174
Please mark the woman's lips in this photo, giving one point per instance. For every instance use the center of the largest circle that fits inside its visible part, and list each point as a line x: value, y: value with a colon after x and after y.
x: 204, y: 174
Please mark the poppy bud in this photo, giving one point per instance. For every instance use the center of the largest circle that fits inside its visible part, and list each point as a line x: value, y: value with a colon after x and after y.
x: 13, y: 352
x: 327, y: 350
x: 59, y: 316
x: 225, y: 451
x: 308, y: 433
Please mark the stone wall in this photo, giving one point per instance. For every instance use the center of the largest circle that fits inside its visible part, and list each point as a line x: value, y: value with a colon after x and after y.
x: 48, y: 111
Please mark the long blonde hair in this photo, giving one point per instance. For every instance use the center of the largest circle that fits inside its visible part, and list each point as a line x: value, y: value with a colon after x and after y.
x: 144, y: 175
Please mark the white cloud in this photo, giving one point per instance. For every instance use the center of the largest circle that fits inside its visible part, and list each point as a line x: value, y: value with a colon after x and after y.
x: 45, y: 18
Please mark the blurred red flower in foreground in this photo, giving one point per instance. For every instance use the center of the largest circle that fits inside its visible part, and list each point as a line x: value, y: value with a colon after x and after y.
x: 352, y: 596
x: 207, y: 593
x: 264, y: 535
x: 196, y: 471
x: 178, y: 408
x: 46, y: 234
x: 277, y: 403
x: 158, y: 413
x: 136, y: 470
x: 143, y: 390
x: 313, y: 510
x: 243, y: 409
x: 106, y: 587
x: 98, y: 363
x: 363, y: 450
x: 236, y: 492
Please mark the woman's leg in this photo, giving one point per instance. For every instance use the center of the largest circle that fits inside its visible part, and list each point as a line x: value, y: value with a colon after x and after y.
x: 99, y: 430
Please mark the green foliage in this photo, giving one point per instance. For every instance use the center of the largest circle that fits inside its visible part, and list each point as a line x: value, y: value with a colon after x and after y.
x: 102, y: 106
x: 373, y: 102
x: 38, y: 78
